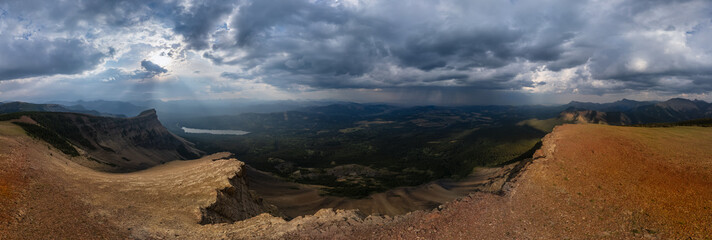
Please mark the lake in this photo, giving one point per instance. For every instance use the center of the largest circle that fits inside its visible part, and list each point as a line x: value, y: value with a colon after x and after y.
x: 214, y: 131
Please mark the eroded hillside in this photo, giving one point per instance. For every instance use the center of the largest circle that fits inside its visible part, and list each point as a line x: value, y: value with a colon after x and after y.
x: 587, y: 181
x: 47, y: 195
x: 111, y: 144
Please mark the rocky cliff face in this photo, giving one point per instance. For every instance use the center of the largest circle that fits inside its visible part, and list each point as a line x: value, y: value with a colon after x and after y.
x: 589, y: 116
x: 119, y: 144
x: 236, y: 202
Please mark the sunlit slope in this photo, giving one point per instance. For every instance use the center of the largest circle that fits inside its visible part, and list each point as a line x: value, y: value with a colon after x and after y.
x: 588, y: 181
x: 45, y: 194
x: 627, y: 180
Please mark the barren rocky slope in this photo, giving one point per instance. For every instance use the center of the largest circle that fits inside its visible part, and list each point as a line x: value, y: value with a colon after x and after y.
x: 47, y: 195
x: 587, y: 181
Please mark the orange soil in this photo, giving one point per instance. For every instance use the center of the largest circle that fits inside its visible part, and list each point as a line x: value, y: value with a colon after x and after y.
x: 34, y: 205
x: 11, y: 181
x: 590, y: 181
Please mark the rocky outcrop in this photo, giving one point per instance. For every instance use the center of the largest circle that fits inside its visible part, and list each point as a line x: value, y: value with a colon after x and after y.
x: 590, y: 116
x: 236, y: 203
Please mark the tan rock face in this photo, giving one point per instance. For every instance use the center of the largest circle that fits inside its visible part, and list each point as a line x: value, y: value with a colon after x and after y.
x: 589, y: 116
x: 236, y: 203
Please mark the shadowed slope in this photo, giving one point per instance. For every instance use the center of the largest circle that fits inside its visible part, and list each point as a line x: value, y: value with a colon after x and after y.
x: 114, y: 144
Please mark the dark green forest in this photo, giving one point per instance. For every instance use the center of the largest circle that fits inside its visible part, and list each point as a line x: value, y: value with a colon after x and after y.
x: 357, y: 150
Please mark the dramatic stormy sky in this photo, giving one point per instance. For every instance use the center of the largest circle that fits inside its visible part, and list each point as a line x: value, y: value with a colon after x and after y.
x: 413, y: 52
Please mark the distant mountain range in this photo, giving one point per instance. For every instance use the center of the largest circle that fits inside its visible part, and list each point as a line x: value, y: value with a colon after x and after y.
x: 11, y: 107
x: 111, y: 107
x: 622, y: 112
x: 617, y: 106
x: 627, y: 112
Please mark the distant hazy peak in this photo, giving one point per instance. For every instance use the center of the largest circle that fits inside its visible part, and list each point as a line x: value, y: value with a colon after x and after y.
x: 681, y: 104
x: 625, y: 100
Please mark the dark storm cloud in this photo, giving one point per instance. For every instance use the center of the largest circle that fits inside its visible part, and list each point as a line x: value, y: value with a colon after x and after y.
x: 193, y: 23
x: 489, y: 48
x: 24, y: 53
x: 20, y: 58
x: 152, y: 67
x: 197, y: 22
x: 492, y: 45
x: 593, y: 47
x: 298, y: 42
x: 257, y: 16
x: 73, y: 15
